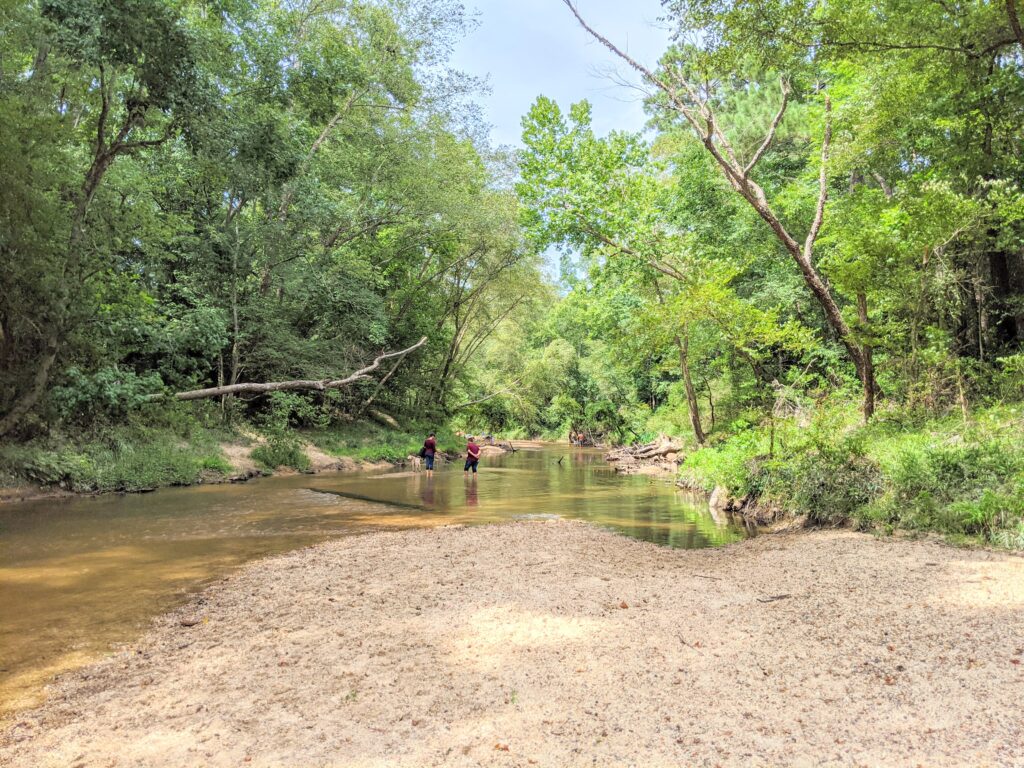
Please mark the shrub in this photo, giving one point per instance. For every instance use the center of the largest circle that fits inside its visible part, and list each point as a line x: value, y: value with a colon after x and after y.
x: 829, y: 483
x: 732, y: 464
x: 942, y: 475
x: 283, y: 450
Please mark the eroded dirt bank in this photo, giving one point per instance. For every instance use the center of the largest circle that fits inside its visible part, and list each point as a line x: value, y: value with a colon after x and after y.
x: 559, y: 644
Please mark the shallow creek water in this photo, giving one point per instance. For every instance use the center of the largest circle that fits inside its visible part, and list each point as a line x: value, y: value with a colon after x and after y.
x: 78, y: 576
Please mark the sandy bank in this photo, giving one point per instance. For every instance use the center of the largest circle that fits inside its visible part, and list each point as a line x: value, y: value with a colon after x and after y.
x: 559, y: 644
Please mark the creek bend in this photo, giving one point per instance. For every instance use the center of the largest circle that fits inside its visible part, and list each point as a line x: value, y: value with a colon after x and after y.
x: 80, y: 575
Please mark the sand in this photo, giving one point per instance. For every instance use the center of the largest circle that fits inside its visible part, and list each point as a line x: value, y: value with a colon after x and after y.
x: 560, y: 644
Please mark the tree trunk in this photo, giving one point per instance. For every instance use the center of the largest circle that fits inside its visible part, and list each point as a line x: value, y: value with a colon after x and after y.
x: 683, y: 343
x: 867, y: 365
x: 696, y: 109
x: 1002, y: 294
x: 235, y: 352
x: 711, y: 403
x: 104, y: 155
x: 1014, y: 18
x: 27, y: 401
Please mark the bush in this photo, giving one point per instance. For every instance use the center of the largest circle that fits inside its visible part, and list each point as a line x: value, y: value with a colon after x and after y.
x: 829, y: 483
x: 733, y: 463
x: 281, y: 451
x: 956, y: 478
x: 940, y: 475
x: 371, y: 442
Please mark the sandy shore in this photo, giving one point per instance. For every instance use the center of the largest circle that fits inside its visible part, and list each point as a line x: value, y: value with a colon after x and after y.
x: 559, y: 644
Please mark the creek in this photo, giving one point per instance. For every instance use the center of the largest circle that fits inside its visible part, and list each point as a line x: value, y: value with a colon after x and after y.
x: 80, y: 576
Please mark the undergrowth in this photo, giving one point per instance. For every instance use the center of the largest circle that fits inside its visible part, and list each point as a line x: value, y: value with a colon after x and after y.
x: 128, y: 457
x: 960, y: 478
x: 367, y: 441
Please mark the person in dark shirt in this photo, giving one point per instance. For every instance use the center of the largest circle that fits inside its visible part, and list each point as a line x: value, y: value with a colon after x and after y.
x: 429, y: 451
x: 472, y: 455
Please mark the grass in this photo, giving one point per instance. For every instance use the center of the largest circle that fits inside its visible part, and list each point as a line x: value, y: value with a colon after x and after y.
x: 961, y: 479
x: 281, y: 450
x: 371, y: 442
x: 180, y: 449
x: 119, y: 459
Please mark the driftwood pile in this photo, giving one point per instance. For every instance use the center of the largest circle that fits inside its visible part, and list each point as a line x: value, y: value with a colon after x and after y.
x: 664, y: 454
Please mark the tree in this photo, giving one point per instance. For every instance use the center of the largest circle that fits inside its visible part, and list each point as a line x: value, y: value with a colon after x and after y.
x: 693, y: 102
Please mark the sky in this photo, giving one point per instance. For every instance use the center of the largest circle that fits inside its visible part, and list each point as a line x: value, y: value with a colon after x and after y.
x: 526, y: 48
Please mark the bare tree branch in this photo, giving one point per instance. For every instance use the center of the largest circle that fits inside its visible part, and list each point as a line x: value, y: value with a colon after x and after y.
x: 291, y: 386
x: 770, y: 136
x: 488, y: 397
x: 648, y: 74
x: 819, y: 211
x: 289, y: 192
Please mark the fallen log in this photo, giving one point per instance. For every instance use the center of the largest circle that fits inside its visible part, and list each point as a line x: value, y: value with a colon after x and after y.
x: 297, y: 385
x: 637, y: 453
x: 658, y: 451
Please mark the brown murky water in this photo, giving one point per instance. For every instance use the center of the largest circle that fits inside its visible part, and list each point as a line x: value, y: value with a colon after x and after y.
x: 79, y: 576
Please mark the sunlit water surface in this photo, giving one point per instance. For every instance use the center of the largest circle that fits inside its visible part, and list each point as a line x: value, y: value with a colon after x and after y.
x: 81, y: 575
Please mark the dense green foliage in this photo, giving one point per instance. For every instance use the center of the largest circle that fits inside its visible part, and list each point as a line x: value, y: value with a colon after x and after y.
x: 204, y: 195
x: 933, y: 474
x: 826, y: 210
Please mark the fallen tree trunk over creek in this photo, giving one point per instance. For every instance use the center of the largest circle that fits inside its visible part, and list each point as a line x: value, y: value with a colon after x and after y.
x: 298, y: 385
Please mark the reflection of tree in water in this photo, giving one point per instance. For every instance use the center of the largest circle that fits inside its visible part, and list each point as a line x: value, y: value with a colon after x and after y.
x: 679, y: 522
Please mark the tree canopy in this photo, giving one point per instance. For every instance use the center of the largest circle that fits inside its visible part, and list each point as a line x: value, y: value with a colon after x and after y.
x: 246, y: 192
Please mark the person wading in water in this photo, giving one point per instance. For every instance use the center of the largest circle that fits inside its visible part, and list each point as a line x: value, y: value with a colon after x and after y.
x: 428, y: 453
x: 472, y: 455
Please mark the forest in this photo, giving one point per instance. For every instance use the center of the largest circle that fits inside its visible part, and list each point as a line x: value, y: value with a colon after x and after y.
x: 809, y: 268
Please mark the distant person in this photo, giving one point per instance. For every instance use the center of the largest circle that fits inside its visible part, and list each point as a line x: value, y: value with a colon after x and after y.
x: 429, y: 451
x: 472, y: 455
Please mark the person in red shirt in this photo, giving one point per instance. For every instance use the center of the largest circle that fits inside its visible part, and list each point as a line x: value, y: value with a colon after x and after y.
x: 429, y: 451
x: 472, y: 455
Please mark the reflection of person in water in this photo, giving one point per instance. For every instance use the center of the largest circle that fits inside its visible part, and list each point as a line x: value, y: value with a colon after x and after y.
x: 470, y: 484
x: 427, y: 491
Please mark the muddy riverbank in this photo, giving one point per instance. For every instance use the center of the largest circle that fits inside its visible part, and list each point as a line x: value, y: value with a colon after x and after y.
x: 560, y: 644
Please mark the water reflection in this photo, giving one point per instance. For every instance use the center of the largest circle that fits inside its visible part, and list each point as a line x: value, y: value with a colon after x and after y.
x: 470, y: 483
x: 81, y: 574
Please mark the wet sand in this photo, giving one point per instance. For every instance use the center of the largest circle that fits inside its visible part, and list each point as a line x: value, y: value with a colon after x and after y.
x: 561, y: 644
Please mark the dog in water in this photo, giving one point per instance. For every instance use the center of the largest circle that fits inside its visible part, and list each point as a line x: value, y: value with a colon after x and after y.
x: 416, y: 462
